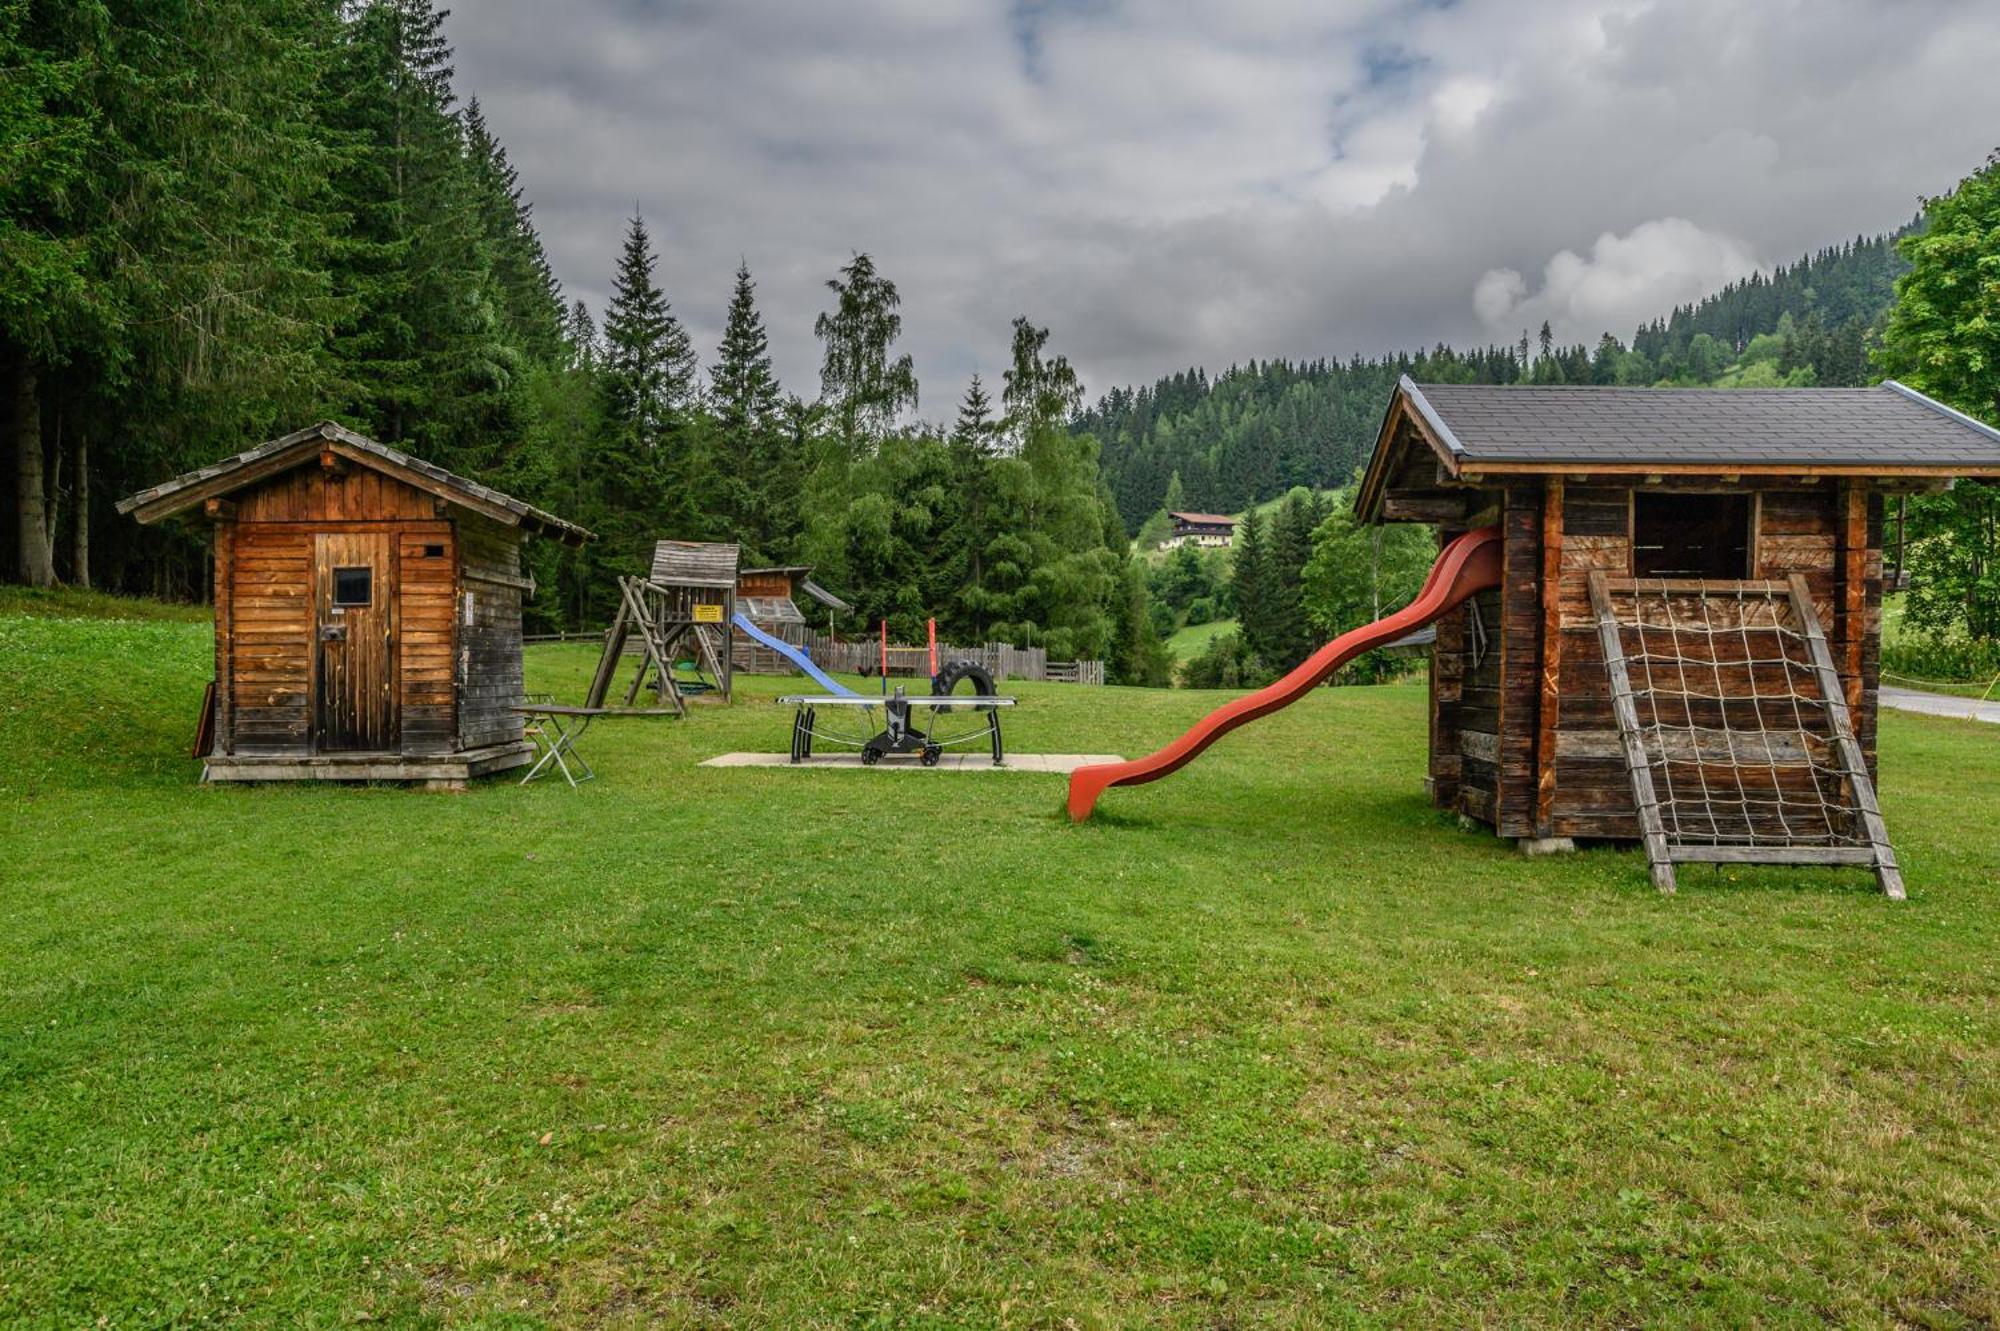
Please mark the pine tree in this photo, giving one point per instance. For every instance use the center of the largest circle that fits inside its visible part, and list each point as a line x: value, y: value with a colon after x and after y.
x: 645, y: 469
x: 973, y: 433
x: 530, y: 296
x: 426, y: 351
x: 648, y: 362
x: 1250, y: 583
x: 757, y: 481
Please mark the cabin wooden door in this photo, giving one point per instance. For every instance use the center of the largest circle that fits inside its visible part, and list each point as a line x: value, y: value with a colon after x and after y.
x: 354, y: 642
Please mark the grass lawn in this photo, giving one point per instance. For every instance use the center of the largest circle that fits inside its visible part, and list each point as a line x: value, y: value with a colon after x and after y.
x: 1192, y: 641
x: 1267, y: 1044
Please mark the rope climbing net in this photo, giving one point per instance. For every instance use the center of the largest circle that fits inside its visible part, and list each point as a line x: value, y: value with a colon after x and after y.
x: 1736, y: 726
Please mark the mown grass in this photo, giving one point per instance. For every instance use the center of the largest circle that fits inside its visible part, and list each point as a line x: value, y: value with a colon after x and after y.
x: 1192, y: 641
x: 1269, y: 1043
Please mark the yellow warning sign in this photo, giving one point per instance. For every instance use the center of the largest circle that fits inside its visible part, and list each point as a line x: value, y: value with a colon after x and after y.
x: 707, y: 613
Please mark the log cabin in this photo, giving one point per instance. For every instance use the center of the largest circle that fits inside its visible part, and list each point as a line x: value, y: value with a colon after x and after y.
x: 367, y: 612
x: 1690, y: 500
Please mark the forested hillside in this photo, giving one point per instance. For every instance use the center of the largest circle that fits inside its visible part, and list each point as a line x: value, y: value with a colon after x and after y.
x: 1255, y: 431
x: 221, y: 222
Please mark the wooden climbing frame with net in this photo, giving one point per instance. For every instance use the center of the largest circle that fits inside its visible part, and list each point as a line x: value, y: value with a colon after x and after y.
x: 1735, y: 729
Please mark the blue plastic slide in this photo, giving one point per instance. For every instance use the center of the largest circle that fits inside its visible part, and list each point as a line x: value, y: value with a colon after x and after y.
x: 796, y: 656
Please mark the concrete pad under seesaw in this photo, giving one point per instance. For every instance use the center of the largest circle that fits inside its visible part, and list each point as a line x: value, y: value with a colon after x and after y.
x: 950, y: 762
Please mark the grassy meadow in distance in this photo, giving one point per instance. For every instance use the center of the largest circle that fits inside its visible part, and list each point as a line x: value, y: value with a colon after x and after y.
x: 1270, y: 1043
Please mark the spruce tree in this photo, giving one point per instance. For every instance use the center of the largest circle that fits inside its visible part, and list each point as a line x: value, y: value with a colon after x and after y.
x: 973, y: 432
x: 530, y: 296
x: 1250, y: 583
x: 425, y: 351
x: 644, y: 470
x: 756, y: 481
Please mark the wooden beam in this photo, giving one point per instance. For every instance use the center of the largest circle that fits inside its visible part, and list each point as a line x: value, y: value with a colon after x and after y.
x: 1853, y: 585
x: 1858, y: 855
x: 1845, y: 746
x: 1552, y: 640
x: 1424, y: 508
x: 331, y: 462
x: 222, y: 510
x: 1651, y: 829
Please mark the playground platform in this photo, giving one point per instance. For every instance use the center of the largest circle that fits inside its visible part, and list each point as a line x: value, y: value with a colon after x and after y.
x: 1061, y: 763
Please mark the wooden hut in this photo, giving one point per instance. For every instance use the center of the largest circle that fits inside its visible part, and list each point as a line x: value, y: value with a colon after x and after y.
x: 1679, y: 565
x: 769, y: 598
x: 367, y: 611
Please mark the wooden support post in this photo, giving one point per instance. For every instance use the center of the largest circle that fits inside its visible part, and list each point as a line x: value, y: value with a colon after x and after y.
x: 1552, y: 638
x: 1845, y: 746
x: 1651, y: 829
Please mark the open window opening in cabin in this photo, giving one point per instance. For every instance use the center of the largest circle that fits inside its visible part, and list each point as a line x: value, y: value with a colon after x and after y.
x: 1690, y: 535
x: 433, y: 552
x: 353, y: 586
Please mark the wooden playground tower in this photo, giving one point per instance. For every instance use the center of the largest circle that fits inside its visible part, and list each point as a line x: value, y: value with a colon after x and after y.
x: 1683, y: 648
x: 682, y: 611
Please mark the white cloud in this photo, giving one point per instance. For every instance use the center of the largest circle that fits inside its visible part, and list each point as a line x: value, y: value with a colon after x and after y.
x: 1625, y: 281
x: 1179, y: 183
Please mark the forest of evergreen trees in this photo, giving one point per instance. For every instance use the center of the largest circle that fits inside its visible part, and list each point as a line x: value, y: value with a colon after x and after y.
x: 221, y: 221
x: 1253, y: 432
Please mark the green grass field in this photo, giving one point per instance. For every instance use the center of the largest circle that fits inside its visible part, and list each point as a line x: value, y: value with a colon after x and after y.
x: 1270, y: 1043
x: 1190, y: 642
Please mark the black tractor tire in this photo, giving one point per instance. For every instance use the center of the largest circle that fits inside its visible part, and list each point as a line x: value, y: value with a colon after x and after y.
x: 956, y: 672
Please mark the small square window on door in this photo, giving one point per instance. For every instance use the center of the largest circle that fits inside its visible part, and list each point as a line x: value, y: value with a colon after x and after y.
x: 1690, y: 535
x: 353, y: 586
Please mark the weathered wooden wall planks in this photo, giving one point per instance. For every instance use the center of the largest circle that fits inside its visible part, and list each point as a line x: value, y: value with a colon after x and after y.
x: 1522, y: 731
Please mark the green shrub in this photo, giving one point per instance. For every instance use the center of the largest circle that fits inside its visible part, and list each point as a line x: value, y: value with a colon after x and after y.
x: 1226, y: 663
x: 1945, y: 658
x: 1201, y: 610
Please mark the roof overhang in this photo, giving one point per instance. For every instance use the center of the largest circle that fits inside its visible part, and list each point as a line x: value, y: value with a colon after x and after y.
x: 326, y: 441
x: 1411, y: 417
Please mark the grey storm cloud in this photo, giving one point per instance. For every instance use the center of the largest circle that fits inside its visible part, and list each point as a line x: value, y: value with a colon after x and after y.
x: 1180, y: 183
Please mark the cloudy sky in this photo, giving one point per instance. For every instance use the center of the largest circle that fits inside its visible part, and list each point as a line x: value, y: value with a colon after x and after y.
x: 1172, y: 182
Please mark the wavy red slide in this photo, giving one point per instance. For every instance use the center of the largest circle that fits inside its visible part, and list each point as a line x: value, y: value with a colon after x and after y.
x: 1469, y: 564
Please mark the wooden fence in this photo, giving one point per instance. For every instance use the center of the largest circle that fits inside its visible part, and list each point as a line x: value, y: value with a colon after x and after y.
x: 1002, y: 660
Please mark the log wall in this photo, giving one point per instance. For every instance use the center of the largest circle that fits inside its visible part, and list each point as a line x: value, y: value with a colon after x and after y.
x: 457, y: 583
x: 489, y: 633
x: 1522, y: 735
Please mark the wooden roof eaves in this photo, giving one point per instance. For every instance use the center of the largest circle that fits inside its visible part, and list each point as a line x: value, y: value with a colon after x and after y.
x: 287, y: 451
x: 1407, y: 403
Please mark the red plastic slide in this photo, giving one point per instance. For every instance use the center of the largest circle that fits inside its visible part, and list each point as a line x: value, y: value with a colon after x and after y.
x: 1469, y: 564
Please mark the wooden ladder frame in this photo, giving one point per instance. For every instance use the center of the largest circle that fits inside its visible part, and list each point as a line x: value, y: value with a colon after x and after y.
x: 633, y: 616
x: 1663, y: 854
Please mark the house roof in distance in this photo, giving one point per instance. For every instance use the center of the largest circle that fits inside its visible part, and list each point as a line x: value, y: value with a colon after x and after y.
x: 1479, y: 430
x: 274, y: 456
x: 1204, y: 519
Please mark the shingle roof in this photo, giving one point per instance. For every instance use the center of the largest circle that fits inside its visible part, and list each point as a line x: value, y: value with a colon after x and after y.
x: 1204, y: 519
x: 695, y: 563
x: 190, y: 488
x: 1885, y: 427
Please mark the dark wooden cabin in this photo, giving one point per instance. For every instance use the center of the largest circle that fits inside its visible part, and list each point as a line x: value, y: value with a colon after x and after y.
x: 1706, y: 495
x: 367, y: 611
